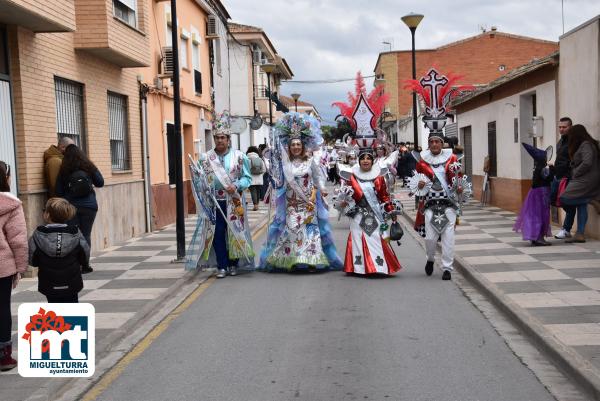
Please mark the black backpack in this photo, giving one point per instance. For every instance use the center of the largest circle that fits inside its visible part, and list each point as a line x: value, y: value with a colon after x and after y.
x: 79, y: 184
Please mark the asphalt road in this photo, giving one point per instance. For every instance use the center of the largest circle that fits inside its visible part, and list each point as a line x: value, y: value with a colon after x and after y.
x: 330, y: 337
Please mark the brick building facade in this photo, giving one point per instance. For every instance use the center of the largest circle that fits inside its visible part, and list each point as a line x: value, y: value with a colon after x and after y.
x: 480, y: 59
x: 68, y: 73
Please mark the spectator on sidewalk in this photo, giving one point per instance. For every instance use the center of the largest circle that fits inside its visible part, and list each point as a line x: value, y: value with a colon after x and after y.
x: 59, y: 250
x: 53, y: 157
x: 76, y: 181
x: 265, y: 186
x: 562, y: 170
x: 13, y: 254
x: 257, y: 169
x: 584, y: 185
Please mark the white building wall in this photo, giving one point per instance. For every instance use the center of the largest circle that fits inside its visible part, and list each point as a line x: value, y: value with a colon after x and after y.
x: 579, y: 86
x: 579, y: 76
x: 512, y: 161
x: 221, y: 75
x: 241, y: 88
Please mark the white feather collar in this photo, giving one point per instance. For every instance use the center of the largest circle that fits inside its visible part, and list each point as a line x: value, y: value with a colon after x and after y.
x: 432, y: 159
x: 370, y: 175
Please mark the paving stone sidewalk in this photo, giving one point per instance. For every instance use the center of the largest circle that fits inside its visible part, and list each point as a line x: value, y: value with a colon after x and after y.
x: 555, y: 288
x: 125, y: 280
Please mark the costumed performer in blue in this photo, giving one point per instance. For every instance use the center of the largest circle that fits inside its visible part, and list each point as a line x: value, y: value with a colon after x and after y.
x: 222, y: 238
x: 299, y: 237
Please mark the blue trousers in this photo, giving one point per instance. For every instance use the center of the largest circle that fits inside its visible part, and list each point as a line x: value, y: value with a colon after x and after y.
x: 571, y: 206
x: 220, y: 239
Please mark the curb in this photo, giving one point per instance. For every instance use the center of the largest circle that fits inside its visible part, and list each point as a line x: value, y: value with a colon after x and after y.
x: 586, y: 375
x: 117, y: 344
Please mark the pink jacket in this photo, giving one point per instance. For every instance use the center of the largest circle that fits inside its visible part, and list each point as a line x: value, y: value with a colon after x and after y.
x: 13, y: 236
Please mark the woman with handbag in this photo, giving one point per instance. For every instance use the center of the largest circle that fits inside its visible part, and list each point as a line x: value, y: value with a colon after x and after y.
x: 584, y: 185
x: 299, y: 237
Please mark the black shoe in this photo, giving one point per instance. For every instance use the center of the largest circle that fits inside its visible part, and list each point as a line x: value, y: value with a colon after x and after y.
x: 86, y: 269
x: 429, y: 268
x: 447, y: 275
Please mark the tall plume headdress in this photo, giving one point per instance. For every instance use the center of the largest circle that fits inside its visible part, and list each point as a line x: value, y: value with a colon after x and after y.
x: 299, y: 126
x: 362, y: 112
x: 437, y: 91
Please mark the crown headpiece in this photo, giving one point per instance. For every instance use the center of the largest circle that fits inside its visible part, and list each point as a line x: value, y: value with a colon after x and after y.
x: 222, y: 124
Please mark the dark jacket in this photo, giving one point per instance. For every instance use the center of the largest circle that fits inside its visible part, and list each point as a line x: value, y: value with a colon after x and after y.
x: 539, y: 180
x: 585, y: 173
x: 562, y: 163
x: 88, y: 201
x: 59, y: 251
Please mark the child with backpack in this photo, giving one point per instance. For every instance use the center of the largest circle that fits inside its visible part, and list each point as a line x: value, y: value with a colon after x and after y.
x: 76, y: 181
x: 59, y: 250
x: 257, y: 169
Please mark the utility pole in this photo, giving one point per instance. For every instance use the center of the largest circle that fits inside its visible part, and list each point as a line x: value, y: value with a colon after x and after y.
x: 179, y: 222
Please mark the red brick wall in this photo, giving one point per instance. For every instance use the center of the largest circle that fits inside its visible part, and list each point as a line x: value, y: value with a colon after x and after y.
x: 476, y: 58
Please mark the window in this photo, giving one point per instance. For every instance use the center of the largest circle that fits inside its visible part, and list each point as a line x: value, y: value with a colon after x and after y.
x: 198, y: 82
x: 468, y: 150
x: 218, y: 55
x: 196, y: 67
x: 118, y: 131
x: 492, y: 149
x: 516, y: 130
x: 69, y: 111
x: 183, y: 59
x: 171, y: 153
x: 3, y: 52
x: 125, y: 11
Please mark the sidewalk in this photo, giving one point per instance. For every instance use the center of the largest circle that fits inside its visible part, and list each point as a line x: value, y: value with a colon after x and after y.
x: 129, y: 283
x: 552, y: 293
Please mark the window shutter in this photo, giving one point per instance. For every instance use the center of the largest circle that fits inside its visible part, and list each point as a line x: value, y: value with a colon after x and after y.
x: 198, y: 81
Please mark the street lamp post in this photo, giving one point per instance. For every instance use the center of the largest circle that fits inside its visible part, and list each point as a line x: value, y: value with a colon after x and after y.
x: 269, y: 69
x: 296, y: 96
x: 412, y: 20
x: 179, y: 204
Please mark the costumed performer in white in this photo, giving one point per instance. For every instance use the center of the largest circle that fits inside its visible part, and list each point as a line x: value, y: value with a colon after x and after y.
x: 299, y: 238
x: 439, y: 181
x: 365, y: 199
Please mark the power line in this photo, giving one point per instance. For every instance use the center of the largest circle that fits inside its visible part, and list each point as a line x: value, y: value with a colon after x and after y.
x: 325, y: 81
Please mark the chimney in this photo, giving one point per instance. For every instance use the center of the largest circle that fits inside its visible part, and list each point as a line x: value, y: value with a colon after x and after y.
x: 493, y: 30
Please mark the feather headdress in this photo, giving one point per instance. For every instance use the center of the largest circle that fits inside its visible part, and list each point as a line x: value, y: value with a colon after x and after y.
x: 376, y: 99
x: 300, y: 126
x: 437, y: 91
x: 363, y: 111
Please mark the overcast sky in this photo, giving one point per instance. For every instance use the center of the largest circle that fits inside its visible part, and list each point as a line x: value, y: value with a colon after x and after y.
x: 331, y: 39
